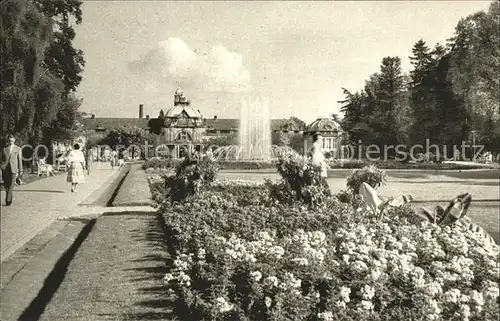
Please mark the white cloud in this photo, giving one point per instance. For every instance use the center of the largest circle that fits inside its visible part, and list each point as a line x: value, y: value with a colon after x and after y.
x: 218, y: 71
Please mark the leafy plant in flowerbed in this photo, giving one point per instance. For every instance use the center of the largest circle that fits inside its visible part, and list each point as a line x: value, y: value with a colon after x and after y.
x: 370, y: 174
x: 241, y: 165
x: 193, y: 174
x: 301, y: 180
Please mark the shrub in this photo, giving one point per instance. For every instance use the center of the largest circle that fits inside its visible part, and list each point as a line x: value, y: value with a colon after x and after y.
x: 301, y: 179
x: 348, y: 197
x: 193, y: 174
x: 369, y: 174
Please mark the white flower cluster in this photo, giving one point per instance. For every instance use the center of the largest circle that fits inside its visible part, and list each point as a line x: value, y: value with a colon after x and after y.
x: 325, y: 316
x: 236, y: 182
x: 313, y: 245
x: 222, y: 305
x: 417, y: 256
x: 181, y: 265
x: 153, y: 179
x: 242, y: 250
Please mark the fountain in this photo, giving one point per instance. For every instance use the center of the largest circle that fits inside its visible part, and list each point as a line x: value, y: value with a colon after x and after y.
x: 254, y: 135
x: 255, y: 130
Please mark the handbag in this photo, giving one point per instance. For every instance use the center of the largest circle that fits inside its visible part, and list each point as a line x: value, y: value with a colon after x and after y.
x: 19, y: 180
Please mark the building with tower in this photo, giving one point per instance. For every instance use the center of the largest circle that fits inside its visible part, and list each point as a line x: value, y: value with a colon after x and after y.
x: 183, y: 128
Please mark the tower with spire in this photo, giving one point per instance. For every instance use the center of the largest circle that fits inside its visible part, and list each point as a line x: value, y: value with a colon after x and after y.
x: 179, y: 98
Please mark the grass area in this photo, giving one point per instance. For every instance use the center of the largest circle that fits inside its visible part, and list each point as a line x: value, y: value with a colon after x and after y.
x: 484, y: 214
x: 116, y: 274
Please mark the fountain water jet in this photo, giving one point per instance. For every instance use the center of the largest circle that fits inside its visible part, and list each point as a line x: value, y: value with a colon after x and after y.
x: 254, y: 135
x: 255, y: 130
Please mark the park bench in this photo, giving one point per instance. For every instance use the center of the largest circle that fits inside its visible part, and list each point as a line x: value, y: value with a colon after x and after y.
x: 44, y: 169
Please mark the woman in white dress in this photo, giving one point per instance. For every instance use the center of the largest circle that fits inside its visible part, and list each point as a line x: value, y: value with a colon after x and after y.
x: 76, y: 162
x: 318, y: 159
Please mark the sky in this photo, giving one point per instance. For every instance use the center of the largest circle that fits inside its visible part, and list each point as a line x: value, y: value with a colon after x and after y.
x: 297, y: 55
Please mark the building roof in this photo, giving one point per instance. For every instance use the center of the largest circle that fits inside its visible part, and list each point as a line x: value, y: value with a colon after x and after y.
x: 109, y: 122
x: 215, y: 124
x: 222, y: 124
x: 177, y: 110
x: 324, y: 125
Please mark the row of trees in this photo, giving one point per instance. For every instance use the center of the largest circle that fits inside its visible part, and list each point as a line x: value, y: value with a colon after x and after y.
x: 451, y: 91
x: 40, y: 69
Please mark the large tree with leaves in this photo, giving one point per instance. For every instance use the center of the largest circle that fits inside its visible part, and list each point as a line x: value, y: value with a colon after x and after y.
x: 33, y: 92
x: 474, y: 72
x: 61, y: 58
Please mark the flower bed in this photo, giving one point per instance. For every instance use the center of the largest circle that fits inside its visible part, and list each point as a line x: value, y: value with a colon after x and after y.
x: 242, y: 255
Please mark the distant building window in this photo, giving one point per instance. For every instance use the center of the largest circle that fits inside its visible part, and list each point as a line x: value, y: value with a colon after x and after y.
x: 182, y: 136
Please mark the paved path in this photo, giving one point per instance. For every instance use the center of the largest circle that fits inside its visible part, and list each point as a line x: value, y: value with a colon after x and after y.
x: 38, y: 204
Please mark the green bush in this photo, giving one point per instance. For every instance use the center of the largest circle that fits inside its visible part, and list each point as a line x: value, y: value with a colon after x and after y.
x: 300, y: 179
x: 370, y: 175
x: 193, y: 174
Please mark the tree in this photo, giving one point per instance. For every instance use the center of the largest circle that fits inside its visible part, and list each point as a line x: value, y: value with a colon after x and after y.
x: 64, y: 128
x: 26, y: 83
x: 474, y: 64
x: 352, y: 108
x: 299, y: 122
x: 61, y: 58
x: 386, y: 102
x: 34, y: 91
x: 421, y: 60
x: 126, y: 136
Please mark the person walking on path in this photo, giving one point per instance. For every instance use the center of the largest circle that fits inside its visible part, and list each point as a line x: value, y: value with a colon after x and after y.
x: 113, y: 159
x: 121, y: 159
x: 89, y: 160
x: 12, y: 166
x: 318, y: 159
x: 76, y: 161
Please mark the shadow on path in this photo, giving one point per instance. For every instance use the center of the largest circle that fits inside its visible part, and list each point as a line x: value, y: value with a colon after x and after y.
x: 55, y: 278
